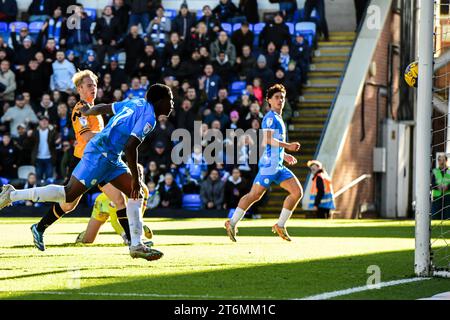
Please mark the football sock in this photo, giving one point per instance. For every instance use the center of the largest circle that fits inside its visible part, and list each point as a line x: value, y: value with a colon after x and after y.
x: 123, y: 220
x: 135, y: 217
x: 54, y: 213
x: 237, y: 216
x: 50, y: 193
x: 284, y: 216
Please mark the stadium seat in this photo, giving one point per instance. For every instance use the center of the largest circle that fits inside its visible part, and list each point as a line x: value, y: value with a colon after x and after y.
x: 35, y: 27
x: 4, y: 31
x: 257, y: 28
x: 232, y: 99
x: 237, y: 87
x: 19, y: 25
x: 227, y: 27
x: 170, y: 13
x: 3, y: 27
x: 91, y: 198
x: 24, y: 171
x: 91, y: 12
x: 236, y: 26
x: 291, y: 27
x: 308, y: 30
x: 3, y: 181
x: 191, y: 202
x: 306, y: 26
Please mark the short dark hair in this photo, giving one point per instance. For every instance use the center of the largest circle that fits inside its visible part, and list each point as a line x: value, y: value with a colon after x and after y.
x: 157, y: 92
x: 275, y: 89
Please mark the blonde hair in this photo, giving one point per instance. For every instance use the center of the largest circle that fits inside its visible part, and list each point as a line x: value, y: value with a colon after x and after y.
x: 78, y: 77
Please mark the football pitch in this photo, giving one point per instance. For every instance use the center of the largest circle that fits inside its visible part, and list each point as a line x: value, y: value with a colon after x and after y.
x: 200, y: 262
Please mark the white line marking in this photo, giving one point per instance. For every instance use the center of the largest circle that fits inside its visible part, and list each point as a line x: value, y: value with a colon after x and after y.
x: 333, y: 294
x: 322, y: 296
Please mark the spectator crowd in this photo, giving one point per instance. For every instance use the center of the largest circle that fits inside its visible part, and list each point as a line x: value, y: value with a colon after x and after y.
x: 218, y: 77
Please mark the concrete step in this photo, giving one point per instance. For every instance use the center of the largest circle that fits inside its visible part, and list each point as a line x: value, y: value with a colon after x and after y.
x: 330, y: 59
x: 332, y: 51
x: 336, y: 42
x: 323, y: 81
x: 315, y: 105
x: 310, y: 112
x: 319, y: 89
x: 330, y: 75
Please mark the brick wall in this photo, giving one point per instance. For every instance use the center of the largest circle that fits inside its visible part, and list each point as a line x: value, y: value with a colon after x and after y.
x: 356, y: 157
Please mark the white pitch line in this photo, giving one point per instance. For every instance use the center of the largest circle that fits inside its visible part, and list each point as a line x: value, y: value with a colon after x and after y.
x: 322, y: 296
x: 334, y: 294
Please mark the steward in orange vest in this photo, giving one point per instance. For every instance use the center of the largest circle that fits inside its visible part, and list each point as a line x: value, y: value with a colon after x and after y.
x: 321, y: 195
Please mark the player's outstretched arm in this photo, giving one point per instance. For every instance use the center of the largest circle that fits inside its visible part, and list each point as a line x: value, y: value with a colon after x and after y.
x: 99, y: 109
x: 131, y: 154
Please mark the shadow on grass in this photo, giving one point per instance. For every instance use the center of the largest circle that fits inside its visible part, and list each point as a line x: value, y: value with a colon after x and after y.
x: 364, y: 232
x: 268, y: 281
x: 327, y: 232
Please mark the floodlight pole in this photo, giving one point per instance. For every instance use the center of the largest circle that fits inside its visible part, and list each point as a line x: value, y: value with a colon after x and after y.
x: 423, y: 139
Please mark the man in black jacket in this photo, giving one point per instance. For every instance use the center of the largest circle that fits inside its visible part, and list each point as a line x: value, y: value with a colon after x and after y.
x: 235, y: 188
x: 242, y: 37
x: 122, y: 12
x: 212, y: 191
x: 276, y: 32
x: 212, y: 22
x: 134, y: 49
x: 34, y: 80
x: 170, y: 193
x: 184, y: 23
x: 118, y: 75
x: 225, y: 10
x: 174, y: 46
x: 150, y: 64
x: 107, y: 33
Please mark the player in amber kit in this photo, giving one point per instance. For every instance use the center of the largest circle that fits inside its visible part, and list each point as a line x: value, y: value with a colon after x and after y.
x: 85, y: 127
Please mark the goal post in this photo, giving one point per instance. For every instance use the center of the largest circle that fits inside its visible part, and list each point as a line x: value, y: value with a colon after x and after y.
x: 423, y: 140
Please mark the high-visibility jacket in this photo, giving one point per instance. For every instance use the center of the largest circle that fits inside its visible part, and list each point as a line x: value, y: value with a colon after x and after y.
x: 440, y: 180
x: 327, y: 201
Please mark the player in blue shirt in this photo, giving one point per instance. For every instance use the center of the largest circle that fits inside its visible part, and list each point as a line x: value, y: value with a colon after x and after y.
x: 133, y: 120
x: 271, y: 167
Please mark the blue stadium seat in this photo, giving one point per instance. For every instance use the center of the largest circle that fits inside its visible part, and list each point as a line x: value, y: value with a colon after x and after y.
x: 306, y: 26
x: 3, y: 27
x: 199, y: 14
x: 35, y: 27
x: 191, y: 202
x: 236, y: 26
x: 91, y: 198
x: 4, y: 31
x: 307, y: 30
x: 227, y: 27
x: 257, y: 28
x: 237, y: 87
x: 232, y: 99
x: 170, y: 13
x: 91, y: 12
x: 19, y: 25
x: 3, y: 181
x: 291, y: 27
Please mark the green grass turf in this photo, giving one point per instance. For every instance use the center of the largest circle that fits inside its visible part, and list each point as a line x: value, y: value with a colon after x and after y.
x: 200, y: 262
